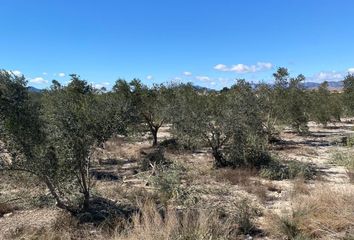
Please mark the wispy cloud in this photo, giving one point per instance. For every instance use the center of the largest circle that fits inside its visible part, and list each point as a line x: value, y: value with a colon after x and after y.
x: 15, y: 72
x: 203, y: 78
x: 61, y: 74
x: 187, y: 74
x: 243, y: 68
x: 351, y: 70
x: 327, y: 76
x: 101, y: 85
x: 38, y: 80
x: 149, y: 77
x: 45, y: 73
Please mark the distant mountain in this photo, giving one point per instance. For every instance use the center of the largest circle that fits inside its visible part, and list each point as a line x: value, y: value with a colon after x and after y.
x: 331, y: 85
x: 203, y: 89
x: 34, y: 90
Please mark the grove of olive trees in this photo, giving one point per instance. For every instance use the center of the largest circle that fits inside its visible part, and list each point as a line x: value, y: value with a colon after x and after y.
x: 54, y: 135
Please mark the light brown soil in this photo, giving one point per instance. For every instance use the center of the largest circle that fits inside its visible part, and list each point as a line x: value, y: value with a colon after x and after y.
x: 118, y: 174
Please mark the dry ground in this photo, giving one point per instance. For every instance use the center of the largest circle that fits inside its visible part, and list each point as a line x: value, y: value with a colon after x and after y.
x: 119, y: 179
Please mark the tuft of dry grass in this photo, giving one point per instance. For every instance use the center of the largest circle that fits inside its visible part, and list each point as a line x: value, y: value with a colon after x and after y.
x: 238, y: 176
x: 258, y: 189
x: 158, y: 224
x: 324, y: 213
x: 300, y: 187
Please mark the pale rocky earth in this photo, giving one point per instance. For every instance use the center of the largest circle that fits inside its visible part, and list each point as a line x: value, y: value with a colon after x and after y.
x: 118, y: 171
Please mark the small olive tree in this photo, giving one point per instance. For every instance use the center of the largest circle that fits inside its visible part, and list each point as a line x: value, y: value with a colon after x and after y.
x: 148, y: 105
x: 228, y: 123
x: 55, y: 141
x: 348, y: 93
x: 290, y: 101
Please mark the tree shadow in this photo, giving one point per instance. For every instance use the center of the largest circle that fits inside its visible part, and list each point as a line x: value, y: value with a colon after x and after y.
x: 106, y: 212
x: 105, y: 175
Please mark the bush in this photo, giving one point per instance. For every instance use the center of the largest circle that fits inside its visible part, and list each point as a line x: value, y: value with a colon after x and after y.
x: 245, y: 215
x: 347, y: 141
x: 277, y: 170
x: 153, y: 158
x: 250, y: 156
x: 346, y: 160
x: 168, y: 183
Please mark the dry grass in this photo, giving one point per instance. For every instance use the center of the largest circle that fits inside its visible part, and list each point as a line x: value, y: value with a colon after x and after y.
x: 238, y: 176
x: 324, y: 213
x: 152, y: 224
x: 300, y: 187
x: 64, y: 228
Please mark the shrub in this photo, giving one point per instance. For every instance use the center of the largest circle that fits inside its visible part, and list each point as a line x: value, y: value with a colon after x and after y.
x: 153, y: 158
x: 277, y: 170
x: 347, y: 160
x: 245, y: 215
x: 168, y: 183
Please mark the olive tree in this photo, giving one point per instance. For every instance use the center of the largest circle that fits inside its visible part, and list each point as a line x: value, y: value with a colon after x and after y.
x: 228, y: 123
x: 150, y: 106
x: 290, y: 100
x: 348, y: 93
x: 55, y: 141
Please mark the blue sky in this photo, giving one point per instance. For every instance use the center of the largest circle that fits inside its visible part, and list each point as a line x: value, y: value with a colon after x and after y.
x: 210, y: 43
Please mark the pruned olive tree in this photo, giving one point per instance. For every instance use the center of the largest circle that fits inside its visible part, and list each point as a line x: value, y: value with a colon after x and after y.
x: 55, y: 141
x: 150, y: 106
x: 348, y: 94
x: 298, y: 105
x: 228, y: 123
x: 325, y: 106
x: 271, y: 112
x: 290, y: 100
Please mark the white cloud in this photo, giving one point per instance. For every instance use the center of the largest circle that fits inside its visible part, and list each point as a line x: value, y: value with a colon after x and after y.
x: 61, y: 74
x: 327, y: 76
x: 203, y: 78
x: 351, y: 70
x: 188, y: 74
x: 15, y: 72
x: 101, y: 85
x: 44, y: 73
x: 38, y: 80
x: 243, y: 68
x: 221, y: 67
x: 149, y: 77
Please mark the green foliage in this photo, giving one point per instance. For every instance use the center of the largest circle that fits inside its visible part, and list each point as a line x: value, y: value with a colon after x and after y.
x: 150, y: 106
x: 245, y: 215
x: 345, y: 159
x: 349, y: 93
x: 297, y: 105
x: 229, y: 123
x: 168, y: 183
x: 291, y: 169
x: 55, y: 140
x: 325, y: 106
x: 284, y: 103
